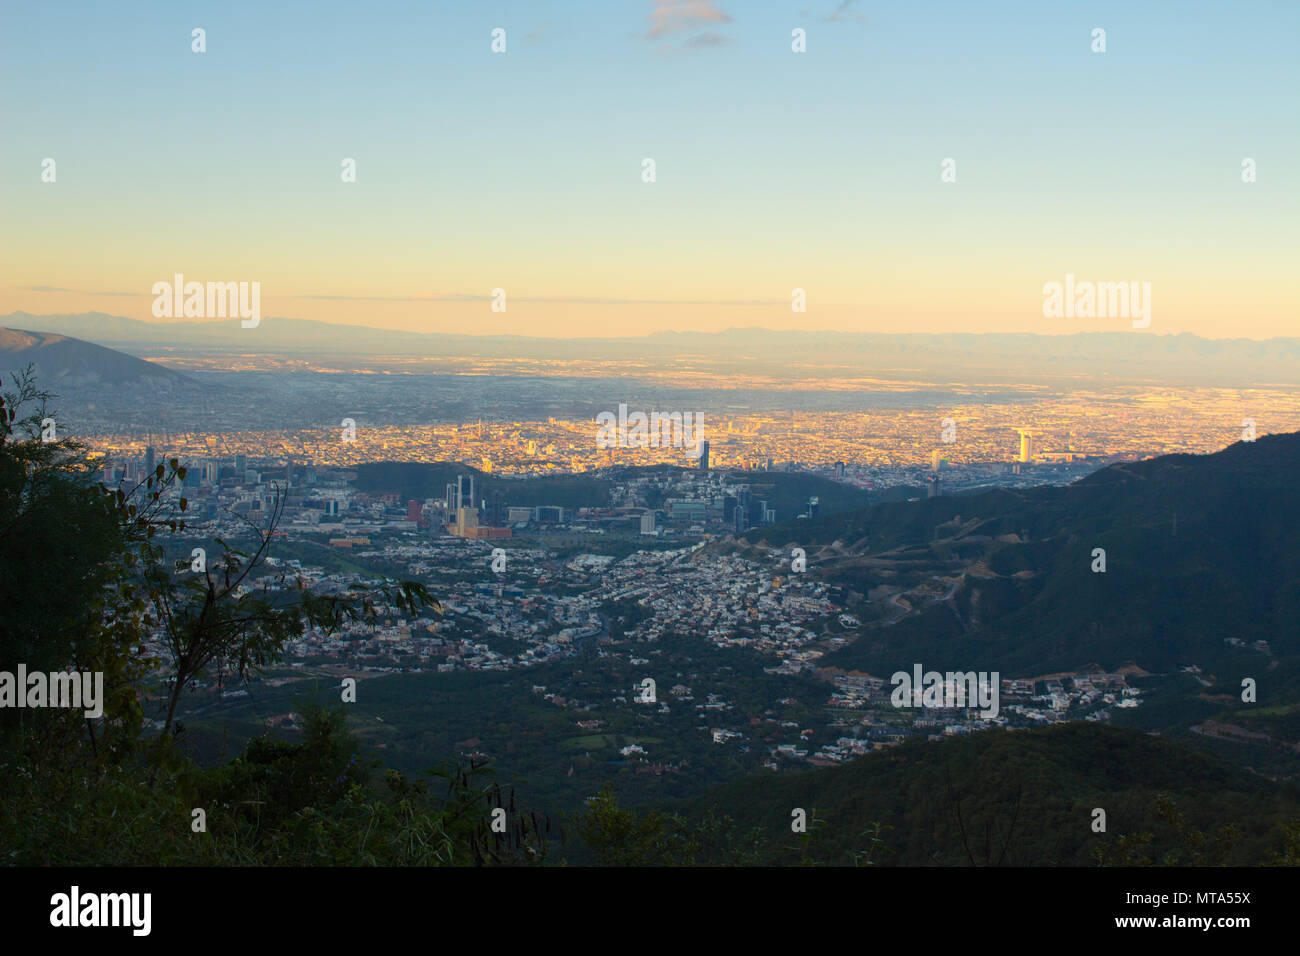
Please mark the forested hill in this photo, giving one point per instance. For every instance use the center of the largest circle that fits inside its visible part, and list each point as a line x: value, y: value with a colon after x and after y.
x: 1023, y: 798
x: 1197, y: 550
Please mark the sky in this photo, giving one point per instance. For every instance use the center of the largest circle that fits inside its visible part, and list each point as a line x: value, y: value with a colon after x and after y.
x: 774, y: 170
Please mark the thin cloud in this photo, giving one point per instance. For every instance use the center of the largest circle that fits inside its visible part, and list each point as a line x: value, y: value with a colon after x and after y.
x: 676, y: 16
x: 707, y: 40
x: 50, y: 288
x: 565, y: 300
x: 842, y: 13
x: 537, y: 32
x: 397, y: 298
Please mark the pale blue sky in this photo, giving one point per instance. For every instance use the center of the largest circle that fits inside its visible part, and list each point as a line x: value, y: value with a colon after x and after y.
x: 819, y: 169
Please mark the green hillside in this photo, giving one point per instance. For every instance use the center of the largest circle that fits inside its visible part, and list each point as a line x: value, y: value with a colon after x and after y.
x: 1198, y: 549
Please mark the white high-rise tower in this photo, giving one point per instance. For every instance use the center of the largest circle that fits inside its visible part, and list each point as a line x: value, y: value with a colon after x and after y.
x: 1026, y: 445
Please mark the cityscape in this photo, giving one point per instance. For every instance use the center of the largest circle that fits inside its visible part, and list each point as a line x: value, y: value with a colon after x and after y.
x: 603, y: 438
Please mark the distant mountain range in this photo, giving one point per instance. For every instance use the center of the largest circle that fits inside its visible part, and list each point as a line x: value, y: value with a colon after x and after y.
x: 62, y: 361
x: 1090, y: 358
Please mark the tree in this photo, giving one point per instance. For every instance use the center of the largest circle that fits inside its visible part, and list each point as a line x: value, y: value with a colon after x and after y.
x: 620, y: 837
x: 84, y: 582
x: 1186, y: 845
x: 226, y: 618
x: 61, y: 542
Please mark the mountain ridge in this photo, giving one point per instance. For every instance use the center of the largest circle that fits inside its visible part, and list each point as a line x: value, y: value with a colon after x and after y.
x: 1100, y: 357
x: 63, y: 360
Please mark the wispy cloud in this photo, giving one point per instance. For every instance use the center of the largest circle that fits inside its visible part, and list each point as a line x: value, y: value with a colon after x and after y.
x: 537, y: 32
x: 676, y: 16
x: 843, y: 12
x: 452, y: 297
x: 707, y: 40
x: 50, y: 288
x: 565, y: 300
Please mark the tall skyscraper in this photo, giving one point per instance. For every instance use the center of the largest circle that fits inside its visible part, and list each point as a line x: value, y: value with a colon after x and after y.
x: 839, y: 471
x: 150, y: 459
x: 704, y: 456
x: 936, y: 459
x: 1026, y: 445
x: 465, y: 494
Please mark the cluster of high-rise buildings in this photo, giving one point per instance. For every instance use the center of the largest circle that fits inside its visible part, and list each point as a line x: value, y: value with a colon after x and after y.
x: 464, y: 510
